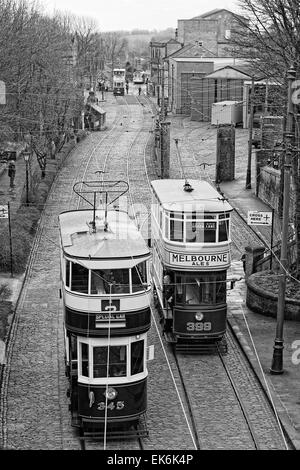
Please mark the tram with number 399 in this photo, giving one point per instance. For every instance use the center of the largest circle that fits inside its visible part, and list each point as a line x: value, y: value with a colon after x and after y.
x: 190, y: 238
x: 106, y: 299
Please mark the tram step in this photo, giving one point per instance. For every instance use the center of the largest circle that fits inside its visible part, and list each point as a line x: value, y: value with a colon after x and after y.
x: 202, y: 348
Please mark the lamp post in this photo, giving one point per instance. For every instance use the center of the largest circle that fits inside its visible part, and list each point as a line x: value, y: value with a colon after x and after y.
x: 26, y: 156
x: 277, y: 361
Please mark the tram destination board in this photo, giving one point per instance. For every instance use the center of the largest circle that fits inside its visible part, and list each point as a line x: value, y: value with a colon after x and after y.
x: 259, y: 218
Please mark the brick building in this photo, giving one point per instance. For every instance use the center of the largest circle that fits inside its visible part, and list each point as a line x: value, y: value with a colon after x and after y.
x: 213, y: 29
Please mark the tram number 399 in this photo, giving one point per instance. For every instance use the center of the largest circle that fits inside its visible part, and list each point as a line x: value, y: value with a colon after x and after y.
x: 199, y: 326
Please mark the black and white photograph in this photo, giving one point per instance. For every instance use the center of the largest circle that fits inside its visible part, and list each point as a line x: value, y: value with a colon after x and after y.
x: 149, y: 228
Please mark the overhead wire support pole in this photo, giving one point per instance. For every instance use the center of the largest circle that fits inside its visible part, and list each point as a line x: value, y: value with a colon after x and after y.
x: 277, y: 362
x: 248, y: 176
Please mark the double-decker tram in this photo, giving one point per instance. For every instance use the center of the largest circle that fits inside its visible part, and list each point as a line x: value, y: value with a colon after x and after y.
x: 119, y: 81
x: 138, y: 77
x: 106, y: 298
x: 190, y: 237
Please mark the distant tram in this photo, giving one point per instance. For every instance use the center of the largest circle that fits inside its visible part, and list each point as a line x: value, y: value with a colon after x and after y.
x: 190, y: 232
x: 106, y: 296
x: 138, y: 77
x: 119, y: 81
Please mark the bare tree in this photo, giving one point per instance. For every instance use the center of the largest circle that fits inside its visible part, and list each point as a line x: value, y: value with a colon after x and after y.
x: 269, y: 36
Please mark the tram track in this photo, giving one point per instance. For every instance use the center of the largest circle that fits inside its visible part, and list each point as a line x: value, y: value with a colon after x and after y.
x: 57, y: 204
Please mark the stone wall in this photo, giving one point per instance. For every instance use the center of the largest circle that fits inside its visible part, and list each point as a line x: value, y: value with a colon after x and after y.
x: 261, y: 301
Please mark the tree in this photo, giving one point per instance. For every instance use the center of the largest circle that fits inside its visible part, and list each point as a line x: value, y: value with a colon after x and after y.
x: 269, y: 36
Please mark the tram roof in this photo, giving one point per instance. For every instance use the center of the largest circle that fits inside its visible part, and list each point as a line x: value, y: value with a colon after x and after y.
x: 121, y: 240
x: 204, y: 196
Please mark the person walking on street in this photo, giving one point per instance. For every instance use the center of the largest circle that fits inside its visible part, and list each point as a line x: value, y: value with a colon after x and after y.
x: 127, y: 87
x: 12, y: 172
x: 140, y: 90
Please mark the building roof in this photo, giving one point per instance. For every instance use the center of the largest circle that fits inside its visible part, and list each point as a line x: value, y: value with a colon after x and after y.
x: 219, y: 62
x: 213, y: 12
x: 192, y: 50
x: 96, y: 108
x: 229, y: 72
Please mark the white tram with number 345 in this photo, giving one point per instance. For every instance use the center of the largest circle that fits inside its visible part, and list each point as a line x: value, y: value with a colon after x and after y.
x: 106, y: 298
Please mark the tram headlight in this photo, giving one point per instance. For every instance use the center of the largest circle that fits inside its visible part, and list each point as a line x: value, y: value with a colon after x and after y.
x: 110, y: 393
x: 199, y: 316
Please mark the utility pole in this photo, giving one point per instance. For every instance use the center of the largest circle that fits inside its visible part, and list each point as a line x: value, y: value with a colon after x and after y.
x: 248, y: 176
x: 162, y: 93
x: 277, y: 361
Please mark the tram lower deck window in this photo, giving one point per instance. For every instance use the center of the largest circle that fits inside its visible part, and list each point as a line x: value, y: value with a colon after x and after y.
x: 137, y: 357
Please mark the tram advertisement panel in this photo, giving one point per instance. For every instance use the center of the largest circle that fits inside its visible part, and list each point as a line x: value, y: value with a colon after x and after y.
x: 203, y: 260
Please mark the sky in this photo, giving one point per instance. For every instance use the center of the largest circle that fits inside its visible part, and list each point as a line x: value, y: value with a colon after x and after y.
x: 112, y: 15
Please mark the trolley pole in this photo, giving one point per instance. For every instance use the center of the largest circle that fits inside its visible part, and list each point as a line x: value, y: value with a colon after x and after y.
x: 277, y: 362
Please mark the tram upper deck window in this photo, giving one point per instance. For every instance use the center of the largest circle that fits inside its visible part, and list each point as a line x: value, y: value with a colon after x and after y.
x: 137, y: 357
x: 224, y: 227
x: 200, y: 228
x: 110, y: 281
x: 176, y: 226
x: 79, y: 278
x: 117, y: 366
x: 139, y: 277
x: 68, y: 270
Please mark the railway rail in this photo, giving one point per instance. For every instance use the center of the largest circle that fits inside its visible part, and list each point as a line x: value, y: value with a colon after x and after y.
x: 192, y: 393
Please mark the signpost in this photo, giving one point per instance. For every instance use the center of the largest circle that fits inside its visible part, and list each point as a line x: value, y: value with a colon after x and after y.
x: 263, y: 218
x: 260, y: 218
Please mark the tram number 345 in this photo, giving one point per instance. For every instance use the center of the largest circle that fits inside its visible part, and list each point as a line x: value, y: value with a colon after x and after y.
x: 199, y: 326
x: 111, y: 406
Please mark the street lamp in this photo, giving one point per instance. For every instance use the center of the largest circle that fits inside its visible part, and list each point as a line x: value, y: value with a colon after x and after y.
x: 26, y: 156
x: 277, y: 360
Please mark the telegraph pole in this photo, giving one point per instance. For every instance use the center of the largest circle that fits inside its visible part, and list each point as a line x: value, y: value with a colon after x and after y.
x: 248, y: 176
x: 277, y: 361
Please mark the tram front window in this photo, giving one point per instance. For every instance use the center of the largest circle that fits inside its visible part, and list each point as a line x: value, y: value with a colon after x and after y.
x: 117, y: 366
x: 110, y: 281
x: 200, y: 231
x: 195, y: 290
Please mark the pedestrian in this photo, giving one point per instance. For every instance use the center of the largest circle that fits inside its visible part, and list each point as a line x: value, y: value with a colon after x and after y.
x: 12, y: 172
x: 140, y: 90
x: 127, y: 87
x: 243, y: 259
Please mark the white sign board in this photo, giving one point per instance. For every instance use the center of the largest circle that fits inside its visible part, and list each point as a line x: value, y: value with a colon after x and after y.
x: 259, y: 218
x: 4, y: 212
x: 201, y: 260
x: 2, y: 92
